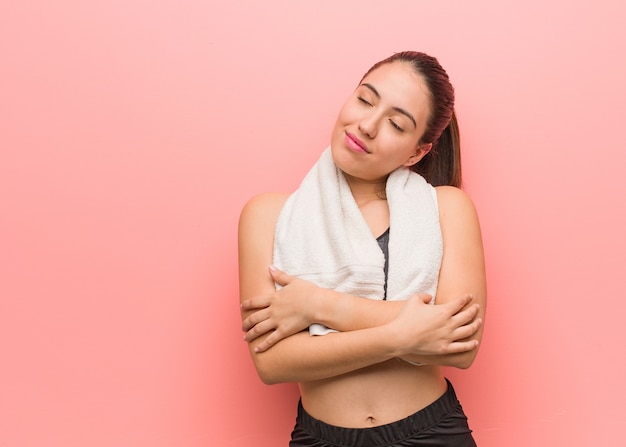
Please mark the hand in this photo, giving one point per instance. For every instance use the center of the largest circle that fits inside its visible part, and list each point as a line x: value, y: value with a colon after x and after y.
x: 283, y: 313
x: 425, y: 329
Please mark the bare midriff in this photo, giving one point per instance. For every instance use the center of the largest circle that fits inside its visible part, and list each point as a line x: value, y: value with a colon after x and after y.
x: 373, y: 396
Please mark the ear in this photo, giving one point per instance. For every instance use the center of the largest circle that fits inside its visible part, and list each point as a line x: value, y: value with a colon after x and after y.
x: 420, y: 153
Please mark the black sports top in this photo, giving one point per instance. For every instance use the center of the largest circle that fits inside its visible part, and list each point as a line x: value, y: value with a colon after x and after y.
x: 383, y: 243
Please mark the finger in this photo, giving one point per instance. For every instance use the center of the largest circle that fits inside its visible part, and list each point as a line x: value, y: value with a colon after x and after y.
x: 426, y: 298
x: 467, y: 315
x: 465, y: 332
x: 270, y: 341
x: 461, y: 346
x: 279, y: 276
x: 254, y: 319
x: 455, y: 306
x: 257, y: 330
x: 257, y: 302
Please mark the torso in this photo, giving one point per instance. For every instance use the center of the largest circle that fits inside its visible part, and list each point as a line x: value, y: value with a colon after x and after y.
x: 372, y: 396
x: 376, y: 395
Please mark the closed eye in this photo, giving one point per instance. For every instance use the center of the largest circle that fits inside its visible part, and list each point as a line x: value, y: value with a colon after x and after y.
x: 398, y: 128
x: 364, y: 101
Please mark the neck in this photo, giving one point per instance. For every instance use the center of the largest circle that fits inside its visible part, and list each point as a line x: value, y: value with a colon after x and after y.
x: 365, y: 191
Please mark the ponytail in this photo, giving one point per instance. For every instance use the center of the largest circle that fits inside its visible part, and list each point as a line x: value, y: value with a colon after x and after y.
x: 442, y: 165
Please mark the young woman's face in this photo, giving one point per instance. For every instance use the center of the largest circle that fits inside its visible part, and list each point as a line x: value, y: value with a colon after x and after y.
x: 380, y: 125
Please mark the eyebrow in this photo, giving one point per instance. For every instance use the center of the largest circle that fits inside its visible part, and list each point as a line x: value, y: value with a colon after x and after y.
x: 397, y: 109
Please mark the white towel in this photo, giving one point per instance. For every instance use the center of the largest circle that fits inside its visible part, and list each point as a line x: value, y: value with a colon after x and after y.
x: 321, y: 236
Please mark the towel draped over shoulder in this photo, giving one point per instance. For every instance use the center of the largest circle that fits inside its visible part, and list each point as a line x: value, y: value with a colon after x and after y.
x: 321, y: 236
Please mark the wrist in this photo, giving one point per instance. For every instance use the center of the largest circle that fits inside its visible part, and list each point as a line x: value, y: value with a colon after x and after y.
x: 399, y: 344
x: 322, y: 306
x: 396, y: 347
x: 332, y: 309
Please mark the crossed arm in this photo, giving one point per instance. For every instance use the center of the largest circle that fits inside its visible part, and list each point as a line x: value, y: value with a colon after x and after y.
x: 371, y: 331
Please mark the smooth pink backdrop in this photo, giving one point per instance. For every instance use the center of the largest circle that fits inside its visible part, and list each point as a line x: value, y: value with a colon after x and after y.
x: 132, y: 132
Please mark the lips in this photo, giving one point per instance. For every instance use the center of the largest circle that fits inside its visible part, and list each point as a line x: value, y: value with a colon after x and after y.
x: 355, y: 144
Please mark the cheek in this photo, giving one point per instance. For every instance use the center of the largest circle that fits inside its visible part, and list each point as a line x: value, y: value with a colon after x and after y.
x: 337, y: 130
x: 349, y: 113
x: 343, y: 119
x: 399, y: 149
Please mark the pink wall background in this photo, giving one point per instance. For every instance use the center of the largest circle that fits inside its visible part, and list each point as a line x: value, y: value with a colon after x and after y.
x: 132, y: 132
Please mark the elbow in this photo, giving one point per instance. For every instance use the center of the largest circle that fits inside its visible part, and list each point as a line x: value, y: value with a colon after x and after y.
x: 268, y: 379
x: 268, y: 373
x: 465, y: 364
x: 465, y: 360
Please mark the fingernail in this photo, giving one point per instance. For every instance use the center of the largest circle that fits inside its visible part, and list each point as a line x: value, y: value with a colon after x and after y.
x: 272, y: 268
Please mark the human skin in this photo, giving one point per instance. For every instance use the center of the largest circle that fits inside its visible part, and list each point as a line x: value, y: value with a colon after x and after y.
x: 354, y: 378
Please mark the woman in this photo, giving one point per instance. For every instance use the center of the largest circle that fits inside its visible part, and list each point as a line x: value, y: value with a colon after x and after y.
x: 372, y: 375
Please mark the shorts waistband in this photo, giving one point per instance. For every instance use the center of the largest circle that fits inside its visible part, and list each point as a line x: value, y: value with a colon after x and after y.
x: 384, y: 434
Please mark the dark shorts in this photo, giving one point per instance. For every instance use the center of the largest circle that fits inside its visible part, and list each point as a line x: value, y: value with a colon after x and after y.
x: 442, y: 423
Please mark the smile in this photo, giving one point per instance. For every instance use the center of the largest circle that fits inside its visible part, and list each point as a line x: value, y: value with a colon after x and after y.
x: 355, y: 144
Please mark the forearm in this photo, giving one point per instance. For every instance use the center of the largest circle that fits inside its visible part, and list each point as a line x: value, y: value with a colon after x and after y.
x: 432, y: 334
x: 304, y: 358
x: 345, y: 312
x: 461, y: 360
x: 348, y: 313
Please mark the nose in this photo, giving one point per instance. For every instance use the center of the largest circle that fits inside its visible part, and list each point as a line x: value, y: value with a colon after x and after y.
x: 368, y: 125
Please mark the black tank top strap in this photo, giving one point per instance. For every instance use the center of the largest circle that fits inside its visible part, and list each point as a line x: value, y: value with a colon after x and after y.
x: 383, y: 243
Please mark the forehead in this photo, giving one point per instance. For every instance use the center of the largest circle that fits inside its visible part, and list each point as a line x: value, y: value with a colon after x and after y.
x: 400, y: 85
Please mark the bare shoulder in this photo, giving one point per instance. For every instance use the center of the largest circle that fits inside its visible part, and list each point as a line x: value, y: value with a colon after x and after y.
x: 263, y: 208
x: 454, y: 203
x: 259, y: 215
